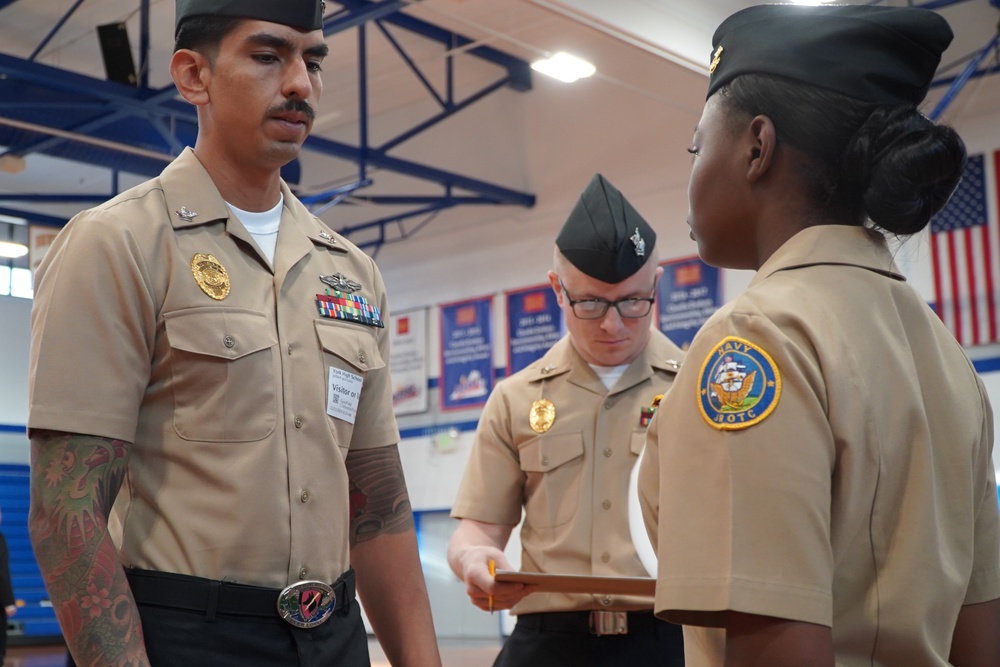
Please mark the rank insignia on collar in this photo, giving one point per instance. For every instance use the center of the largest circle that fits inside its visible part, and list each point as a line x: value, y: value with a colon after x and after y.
x: 325, y: 235
x: 340, y: 282
x: 186, y: 214
x: 210, y: 275
x: 639, y: 243
x: 352, y: 307
x: 739, y: 385
x: 546, y: 370
x: 542, y: 415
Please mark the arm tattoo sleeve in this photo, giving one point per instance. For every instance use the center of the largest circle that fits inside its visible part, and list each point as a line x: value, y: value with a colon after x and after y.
x: 379, y: 501
x: 74, y: 482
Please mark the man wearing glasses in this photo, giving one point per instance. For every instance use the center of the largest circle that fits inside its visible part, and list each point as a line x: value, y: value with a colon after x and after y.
x: 559, y: 439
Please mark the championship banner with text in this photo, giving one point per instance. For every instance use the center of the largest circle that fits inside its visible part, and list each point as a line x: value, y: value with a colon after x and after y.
x: 466, y: 353
x: 533, y: 325
x: 408, y: 361
x: 688, y: 293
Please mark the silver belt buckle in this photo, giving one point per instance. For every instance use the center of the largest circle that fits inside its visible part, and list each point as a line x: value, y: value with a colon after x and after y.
x: 306, y: 604
x: 609, y: 622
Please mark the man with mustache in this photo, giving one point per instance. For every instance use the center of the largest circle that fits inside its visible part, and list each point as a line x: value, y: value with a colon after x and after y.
x: 214, y: 468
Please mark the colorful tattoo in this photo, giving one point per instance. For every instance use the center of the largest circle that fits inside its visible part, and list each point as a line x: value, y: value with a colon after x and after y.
x: 74, y: 481
x: 379, y: 500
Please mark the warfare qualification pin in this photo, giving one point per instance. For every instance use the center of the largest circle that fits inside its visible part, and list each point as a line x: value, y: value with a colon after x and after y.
x: 639, y: 243
x: 542, y: 415
x: 210, y: 275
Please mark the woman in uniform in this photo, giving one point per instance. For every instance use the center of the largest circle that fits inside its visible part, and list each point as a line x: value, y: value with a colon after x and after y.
x: 821, y: 473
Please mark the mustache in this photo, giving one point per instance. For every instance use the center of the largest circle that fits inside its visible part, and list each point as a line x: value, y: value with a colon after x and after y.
x: 294, y: 105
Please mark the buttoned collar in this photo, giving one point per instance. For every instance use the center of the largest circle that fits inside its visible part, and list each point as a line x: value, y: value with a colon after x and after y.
x: 659, y: 354
x: 192, y: 200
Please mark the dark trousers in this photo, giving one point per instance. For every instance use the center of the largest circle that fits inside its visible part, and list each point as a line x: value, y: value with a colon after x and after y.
x: 563, y: 639
x: 186, y: 638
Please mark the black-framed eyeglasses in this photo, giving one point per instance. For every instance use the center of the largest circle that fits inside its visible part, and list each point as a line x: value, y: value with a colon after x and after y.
x: 594, y: 309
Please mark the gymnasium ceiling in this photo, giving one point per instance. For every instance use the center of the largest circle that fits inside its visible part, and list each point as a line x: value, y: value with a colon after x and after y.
x: 400, y: 145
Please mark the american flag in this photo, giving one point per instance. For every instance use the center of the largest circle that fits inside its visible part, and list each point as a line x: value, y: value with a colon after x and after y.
x: 964, y: 246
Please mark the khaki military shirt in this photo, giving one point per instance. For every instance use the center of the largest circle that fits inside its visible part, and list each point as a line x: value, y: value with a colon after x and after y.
x: 847, y: 482
x: 237, y: 466
x: 572, y: 479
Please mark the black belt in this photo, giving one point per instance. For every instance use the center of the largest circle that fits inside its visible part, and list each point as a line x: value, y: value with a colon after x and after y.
x: 590, y: 622
x: 311, y: 602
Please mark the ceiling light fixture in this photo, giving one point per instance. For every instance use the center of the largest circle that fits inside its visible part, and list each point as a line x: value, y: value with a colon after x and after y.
x: 564, y: 67
x: 11, y: 164
x: 12, y: 250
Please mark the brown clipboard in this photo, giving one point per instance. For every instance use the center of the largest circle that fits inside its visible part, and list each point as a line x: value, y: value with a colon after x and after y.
x: 581, y: 583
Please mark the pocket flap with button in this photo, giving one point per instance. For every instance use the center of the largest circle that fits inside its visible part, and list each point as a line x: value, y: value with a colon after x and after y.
x: 227, y: 334
x: 638, y: 441
x: 352, y: 343
x: 551, y: 451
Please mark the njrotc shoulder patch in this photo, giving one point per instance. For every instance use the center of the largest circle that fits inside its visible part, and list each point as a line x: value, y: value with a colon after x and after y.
x: 739, y: 385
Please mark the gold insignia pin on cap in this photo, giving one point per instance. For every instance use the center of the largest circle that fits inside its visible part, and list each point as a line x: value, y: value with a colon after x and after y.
x: 210, y: 275
x: 715, y: 60
x: 542, y: 415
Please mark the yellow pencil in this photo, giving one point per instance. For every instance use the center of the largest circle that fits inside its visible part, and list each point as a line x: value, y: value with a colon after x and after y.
x: 493, y: 572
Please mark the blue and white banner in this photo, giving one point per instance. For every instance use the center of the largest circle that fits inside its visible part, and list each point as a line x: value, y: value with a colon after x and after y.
x: 688, y: 293
x: 534, y: 324
x: 466, y: 353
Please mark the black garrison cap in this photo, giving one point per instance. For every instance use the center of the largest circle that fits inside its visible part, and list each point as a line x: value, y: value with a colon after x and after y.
x: 604, y: 236
x: 300, y: 14
x: 884, y: 55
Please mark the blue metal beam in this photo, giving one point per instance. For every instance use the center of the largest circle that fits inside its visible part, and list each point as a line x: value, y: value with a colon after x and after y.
x: 499, y: 194
x: 352, y: 17
x: 71, y: 198
x: 938, y: 4
x: 50, y: 101
x: 959, y: 82
x: 519, y: 70
x: 31, y: 216
x: 52, y: 33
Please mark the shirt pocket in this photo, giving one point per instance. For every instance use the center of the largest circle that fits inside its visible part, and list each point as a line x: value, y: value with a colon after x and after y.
x: 638, y: 442
x: 349, y: 347
x: 553, y: 465
x: 223, y: 376
x: 352, y: 348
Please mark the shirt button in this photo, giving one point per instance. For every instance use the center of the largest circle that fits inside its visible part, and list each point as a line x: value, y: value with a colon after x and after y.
x: 298, y: 422
x: 229, y: 341
x: 607, y: 453
x: 606, y: 600
x: 289, y: 350
x: 606, y: 504
x: 304, y: 496
x: 607, y: 405
x: 303, y: 572
x: 605, y: 557
x: 545, y: 460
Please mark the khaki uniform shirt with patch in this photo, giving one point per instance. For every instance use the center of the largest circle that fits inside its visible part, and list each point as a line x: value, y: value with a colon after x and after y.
x: 865, y: 500
x: 572, y: 480
x: 236, y: 469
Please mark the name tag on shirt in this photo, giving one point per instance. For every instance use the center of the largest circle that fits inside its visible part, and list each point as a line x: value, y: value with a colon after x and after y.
x: 343, y: 394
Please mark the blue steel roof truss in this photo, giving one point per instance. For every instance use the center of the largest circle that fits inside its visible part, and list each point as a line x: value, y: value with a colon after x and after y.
x: 138, y: 129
